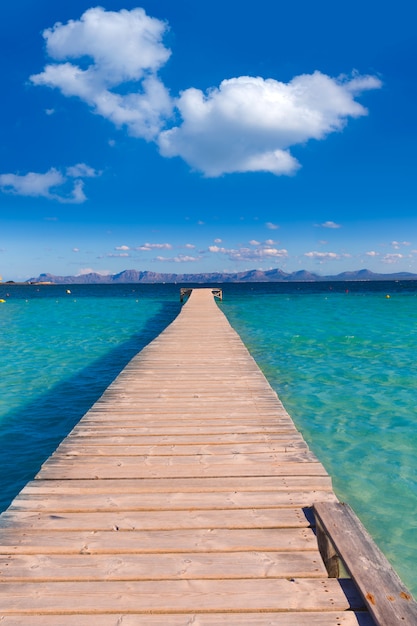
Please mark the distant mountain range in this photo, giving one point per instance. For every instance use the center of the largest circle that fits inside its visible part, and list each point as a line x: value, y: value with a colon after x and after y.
x: 251, y: 276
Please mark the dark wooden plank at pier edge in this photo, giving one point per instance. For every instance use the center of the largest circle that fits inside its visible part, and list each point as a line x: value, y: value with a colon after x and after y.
x: 184, y: 496
x: 388, y: 600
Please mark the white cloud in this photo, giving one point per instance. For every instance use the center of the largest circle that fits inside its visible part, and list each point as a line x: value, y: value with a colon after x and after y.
x: 31, y: 184
x: 75, y: 249
x: 153, y: 246
x: 325, y: 256
x: 217, y: 240
x: 113, y: 49
x: 111, y: 59
x: 393, y: 258
x: 330, y: 225
x: 190, y: 246
x: 89, y: 270
x: 372, y: 253
x: 181, y: 258
x: 52, y: 185
x: 122, y: 248
x: 248, y: 254
x: 249, y: 123
x: 253, y: 242
x: 81, y: 170
x: 117, y: 256
x: 397, y: 244
x: 271, y: 226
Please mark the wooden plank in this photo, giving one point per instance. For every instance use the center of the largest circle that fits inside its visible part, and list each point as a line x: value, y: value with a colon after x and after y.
x: 154, y: 520
x: 186, y: 565
x: 258, y: 484
x: 278, y: 502
x: 173, y: 596
x: 124, y: 470
x: 109, y: 449
x: 192, y: 439
x: 156, y: 541
x: 333, y: 618
x: 387, y: 599
x: 268, y: 458
x: 155, y: 428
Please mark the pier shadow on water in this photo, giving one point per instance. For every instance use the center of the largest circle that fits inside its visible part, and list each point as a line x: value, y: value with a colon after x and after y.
x: 30, y: 435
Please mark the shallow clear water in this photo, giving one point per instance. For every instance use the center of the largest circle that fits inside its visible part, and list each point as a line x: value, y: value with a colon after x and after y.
x: 59, y: 352
x: 342, y: 363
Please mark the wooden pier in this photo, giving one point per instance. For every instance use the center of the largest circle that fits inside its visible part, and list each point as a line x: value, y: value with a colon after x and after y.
x: 183, y: 497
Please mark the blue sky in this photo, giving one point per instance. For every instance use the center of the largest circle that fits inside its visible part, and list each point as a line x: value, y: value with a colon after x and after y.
x: 188, y: 136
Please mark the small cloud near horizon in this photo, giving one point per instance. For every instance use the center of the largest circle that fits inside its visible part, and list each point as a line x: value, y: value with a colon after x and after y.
x: 88, y: 270
x: 329, y: 224
x: 250, y: 254
x: 146, y: 247
x: 326, y: 256
x: 180, y: 258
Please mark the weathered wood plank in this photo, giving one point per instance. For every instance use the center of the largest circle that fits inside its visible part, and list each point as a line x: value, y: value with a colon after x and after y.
x: 124, y: 470
x: 71, y: 449
x: 388, y: 600
x: 192, y: 439
x: 178, y: 595
x: 156, y: 541
x: 177, y: 429
x: 259, y: 484
x: 333, y: 618
x: 154, y: 520
x: 167, y: 501
x: 259, y: 459
x: 186, y: 565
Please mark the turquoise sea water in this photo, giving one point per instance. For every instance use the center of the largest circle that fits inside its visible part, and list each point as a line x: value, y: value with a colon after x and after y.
x: 343, y: 363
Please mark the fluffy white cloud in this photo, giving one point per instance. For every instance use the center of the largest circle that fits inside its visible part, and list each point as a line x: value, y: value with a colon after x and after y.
x: 90, y: 270
x: 372, y: 253
x: 180, y: 258
x: 397, y: 244
x: 271, y: 226
x: 122, y: 248
x: 248, y: 254
x: 326, y: 256
x: 53, y: 185
x: 81, y: 170
x: 330, y: 225
x: 111, y: 59
x: 153, y: 246
x: 393, y: 258
x: 249, y: 123
x: 112, y: 49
